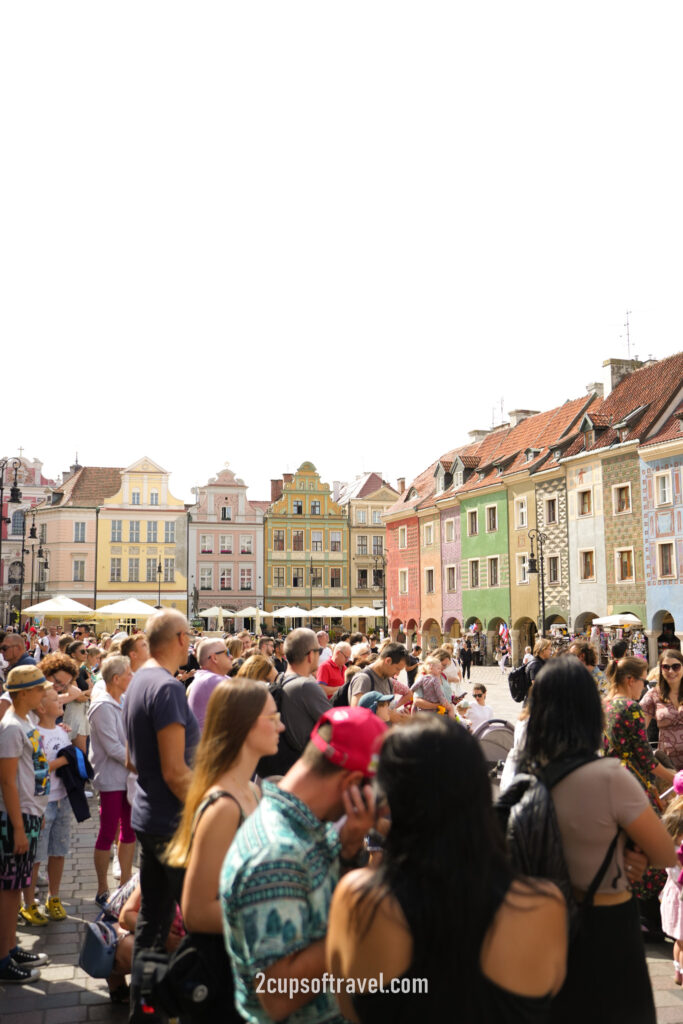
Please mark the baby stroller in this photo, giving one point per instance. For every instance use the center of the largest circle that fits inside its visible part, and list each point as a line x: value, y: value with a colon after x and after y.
x: 496, y: 738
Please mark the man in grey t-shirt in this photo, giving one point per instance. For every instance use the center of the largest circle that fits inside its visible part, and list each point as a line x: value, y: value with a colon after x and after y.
x: 377, y: 677
x: 303, y: 698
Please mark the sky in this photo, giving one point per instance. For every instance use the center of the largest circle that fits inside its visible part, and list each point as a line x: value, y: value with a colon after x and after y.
x: 264, y: 233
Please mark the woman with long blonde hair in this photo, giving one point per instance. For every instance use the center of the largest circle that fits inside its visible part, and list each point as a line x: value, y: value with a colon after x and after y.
x: 257, y: 666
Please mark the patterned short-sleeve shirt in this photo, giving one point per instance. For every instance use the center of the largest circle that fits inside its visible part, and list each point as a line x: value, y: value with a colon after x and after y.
x: 276, y: 888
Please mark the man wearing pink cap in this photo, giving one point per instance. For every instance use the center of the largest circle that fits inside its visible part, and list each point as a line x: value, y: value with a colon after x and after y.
x: 284, y: 863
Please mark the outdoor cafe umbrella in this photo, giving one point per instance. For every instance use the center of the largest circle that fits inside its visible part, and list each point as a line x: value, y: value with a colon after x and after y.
x: 129, y: 608
x: 618, y: 620
x: 291, y: 612
x: 59, y: 607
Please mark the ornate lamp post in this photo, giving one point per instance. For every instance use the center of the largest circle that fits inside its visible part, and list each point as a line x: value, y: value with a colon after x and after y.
x: 14, y: 499
x: 381, y: 560
x: 159, y: 572
x: 538, y: 567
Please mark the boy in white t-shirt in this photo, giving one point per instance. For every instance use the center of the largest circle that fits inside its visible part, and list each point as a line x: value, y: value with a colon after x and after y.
x: 54, y: 839
x: 24, y: 789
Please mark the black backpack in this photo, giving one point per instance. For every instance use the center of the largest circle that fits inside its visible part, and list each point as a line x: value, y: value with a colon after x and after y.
x: 526, y: 813
x: 518, y: 681
x: 341, y: 697
x: 280, y: 763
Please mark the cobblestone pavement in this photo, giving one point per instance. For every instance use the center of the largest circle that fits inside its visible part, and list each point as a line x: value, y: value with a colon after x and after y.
x: 66, y: 995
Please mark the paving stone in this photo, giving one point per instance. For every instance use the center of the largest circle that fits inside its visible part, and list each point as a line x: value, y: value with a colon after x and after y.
x: 66, y: 1015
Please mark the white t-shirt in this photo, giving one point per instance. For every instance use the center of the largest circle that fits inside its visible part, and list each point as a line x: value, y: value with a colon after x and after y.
x: 326, y: 655
x: 53, y: 741
x: 477, y: 714
x: 20, y: 738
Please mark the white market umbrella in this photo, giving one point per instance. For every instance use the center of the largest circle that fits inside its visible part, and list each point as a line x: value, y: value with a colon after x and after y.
x: 292, y: 612
x: 211, y: 613
x: 130, y: 608
x: 319, y: 613
x: 352, y: 612
x: 618, y: 620
x: 248, y: 613
x: 371, y: 613
x: 331, y: 612
x: 60, y: 607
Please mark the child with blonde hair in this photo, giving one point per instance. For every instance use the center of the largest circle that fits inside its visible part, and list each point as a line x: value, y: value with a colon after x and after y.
x: 672, y: 893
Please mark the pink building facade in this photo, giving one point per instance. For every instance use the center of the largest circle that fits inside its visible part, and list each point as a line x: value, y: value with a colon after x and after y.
x: 33, y: 486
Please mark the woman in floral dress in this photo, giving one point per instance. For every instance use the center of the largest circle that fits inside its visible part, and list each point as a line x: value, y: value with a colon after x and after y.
x: 626, y: 738
x: 663, y: 703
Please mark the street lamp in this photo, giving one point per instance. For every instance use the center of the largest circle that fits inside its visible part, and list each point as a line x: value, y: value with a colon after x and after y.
x: 25, y: 551
x: 538, y: 567
x: 159, y: 571
x: 381, y: 560
x: 33, y: 535
x: 14, y: 499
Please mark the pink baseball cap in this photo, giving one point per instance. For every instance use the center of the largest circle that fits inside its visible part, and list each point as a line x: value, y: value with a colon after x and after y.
x: 356, y: 739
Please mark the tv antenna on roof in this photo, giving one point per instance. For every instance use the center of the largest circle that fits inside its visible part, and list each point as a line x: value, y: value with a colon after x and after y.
x: 628, y: 334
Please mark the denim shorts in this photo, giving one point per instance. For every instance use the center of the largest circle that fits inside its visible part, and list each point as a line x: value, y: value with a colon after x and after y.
x: 54, y: 839
x: 16, y: 871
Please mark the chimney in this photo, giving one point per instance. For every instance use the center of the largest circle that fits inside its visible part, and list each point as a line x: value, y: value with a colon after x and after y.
x: 336, y: 489
x: 477, y: 435
x: 615, y: 370
x: 401, y: 484
x: 288, y: 477
x: 517, y: 415
x: 275, y: 490
x: 597, y: 387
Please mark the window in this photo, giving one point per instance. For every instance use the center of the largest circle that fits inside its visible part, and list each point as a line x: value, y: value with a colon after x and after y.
x: 152, y: 533
x: 226, y: 513
x: 316, y: 577
x: 666, y: 565
x: 206, y: 544
x: 134, y: 531
x: 79, y: 533
x: 523, y: 569
x: 554, y: 569
x: 472, y: 522
x: 206, y: 578
x: 316, y: 540
x: 297, y: 578
x: 474, y: 574
x: 114, y: 570
x: 42, y: 533
x: 585, y: 499
x: 378, y: 577
x: 315, y: 508
x: 335, y: 578
x: 550, y: 511
x: 135, y: 498
x: 429, y: 535
x: 376, y: 517
x: 361, y: 517
x: 493, y: 572
x: 335, y: 540
x: 78, y: 570
x: 621, y: 499
x: 151, y: 571
x: 449, y: 531
x: 362, y: 579
x: 451, y: 579
x: 169, y: 533
x: 491, y: 518
x: 246, y: 544
x: 663, y: 488
x: 278, y: 540
x: 169, y: 570
x: 245, y: 579
x: 520, y: 513
x: 429, y: 581
x: 154, y: 497
x: 116, y: 525
x: 587, y: 564
x: 133, y: 570
x: 403, y: 538
x: 18, y: 522
x: 298, y: 508
x: 279, y: 576
x: 378, y: 545
x: 226, y: 544
x: 623, y: 565
x: 403, y: 581
x: 297, y: 540
x: 225, y: 578
x: 361, y: 545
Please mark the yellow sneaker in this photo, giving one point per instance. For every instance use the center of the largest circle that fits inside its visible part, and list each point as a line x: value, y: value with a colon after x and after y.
x: 32, y: 915
x: 54, y: 909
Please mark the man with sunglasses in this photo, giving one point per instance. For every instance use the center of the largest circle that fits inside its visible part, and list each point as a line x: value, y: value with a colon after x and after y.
x: 303, y: 699
x: 13, y: 650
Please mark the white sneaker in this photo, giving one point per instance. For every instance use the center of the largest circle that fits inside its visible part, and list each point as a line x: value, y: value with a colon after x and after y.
x: 89, y: 793
x: 116, y: 867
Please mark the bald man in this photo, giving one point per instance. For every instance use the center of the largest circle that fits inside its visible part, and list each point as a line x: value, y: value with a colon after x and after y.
x: 162, y: 733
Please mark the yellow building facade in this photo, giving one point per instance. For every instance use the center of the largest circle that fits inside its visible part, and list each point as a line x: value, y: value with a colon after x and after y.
x: 141, y: 540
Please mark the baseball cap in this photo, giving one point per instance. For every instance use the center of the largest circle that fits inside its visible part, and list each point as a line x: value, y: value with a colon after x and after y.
x: 355, y: 740
x: 373, y: 698
x: 25, y: 677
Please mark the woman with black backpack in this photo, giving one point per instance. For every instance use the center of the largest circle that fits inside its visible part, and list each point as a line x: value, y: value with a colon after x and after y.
x: 599, y: 808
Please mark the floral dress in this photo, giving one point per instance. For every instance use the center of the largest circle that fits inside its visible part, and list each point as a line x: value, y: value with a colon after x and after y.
x: 625, y: 737
x: 669, y: 722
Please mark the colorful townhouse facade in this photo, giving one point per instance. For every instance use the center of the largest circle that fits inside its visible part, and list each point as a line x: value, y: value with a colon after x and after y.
x: 226, y: 567
x: 142, y: 537
x: 15, y: 522
x: 365, y: 499
x: 306, y: 543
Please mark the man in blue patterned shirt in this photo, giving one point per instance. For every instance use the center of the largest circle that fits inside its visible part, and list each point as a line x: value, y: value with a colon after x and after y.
x: 281, y: 870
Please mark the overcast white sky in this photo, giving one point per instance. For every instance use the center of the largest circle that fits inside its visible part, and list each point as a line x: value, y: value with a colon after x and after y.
x: 271, y: 232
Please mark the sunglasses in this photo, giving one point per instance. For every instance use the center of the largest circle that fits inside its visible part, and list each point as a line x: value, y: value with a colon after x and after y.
x: 477, y: 694
x: 672, y: 668
x: 316, y: 650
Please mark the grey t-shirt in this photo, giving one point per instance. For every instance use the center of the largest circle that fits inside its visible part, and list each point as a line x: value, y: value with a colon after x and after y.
x: 20, y: 738
x: 367, y: 681
x: 303, y: 702
x: 154, y: 700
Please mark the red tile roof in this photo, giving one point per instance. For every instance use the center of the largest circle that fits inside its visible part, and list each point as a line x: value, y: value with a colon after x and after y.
x: 88, y: 487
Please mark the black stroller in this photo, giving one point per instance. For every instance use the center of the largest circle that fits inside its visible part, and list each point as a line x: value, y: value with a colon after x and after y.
x: 496, y: 738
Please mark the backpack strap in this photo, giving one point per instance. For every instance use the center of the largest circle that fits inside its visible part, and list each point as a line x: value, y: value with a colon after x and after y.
x: 600, y: 874
x: 554, y: 772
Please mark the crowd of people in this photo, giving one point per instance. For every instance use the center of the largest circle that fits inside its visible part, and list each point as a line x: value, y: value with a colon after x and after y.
x: 311, y: 818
